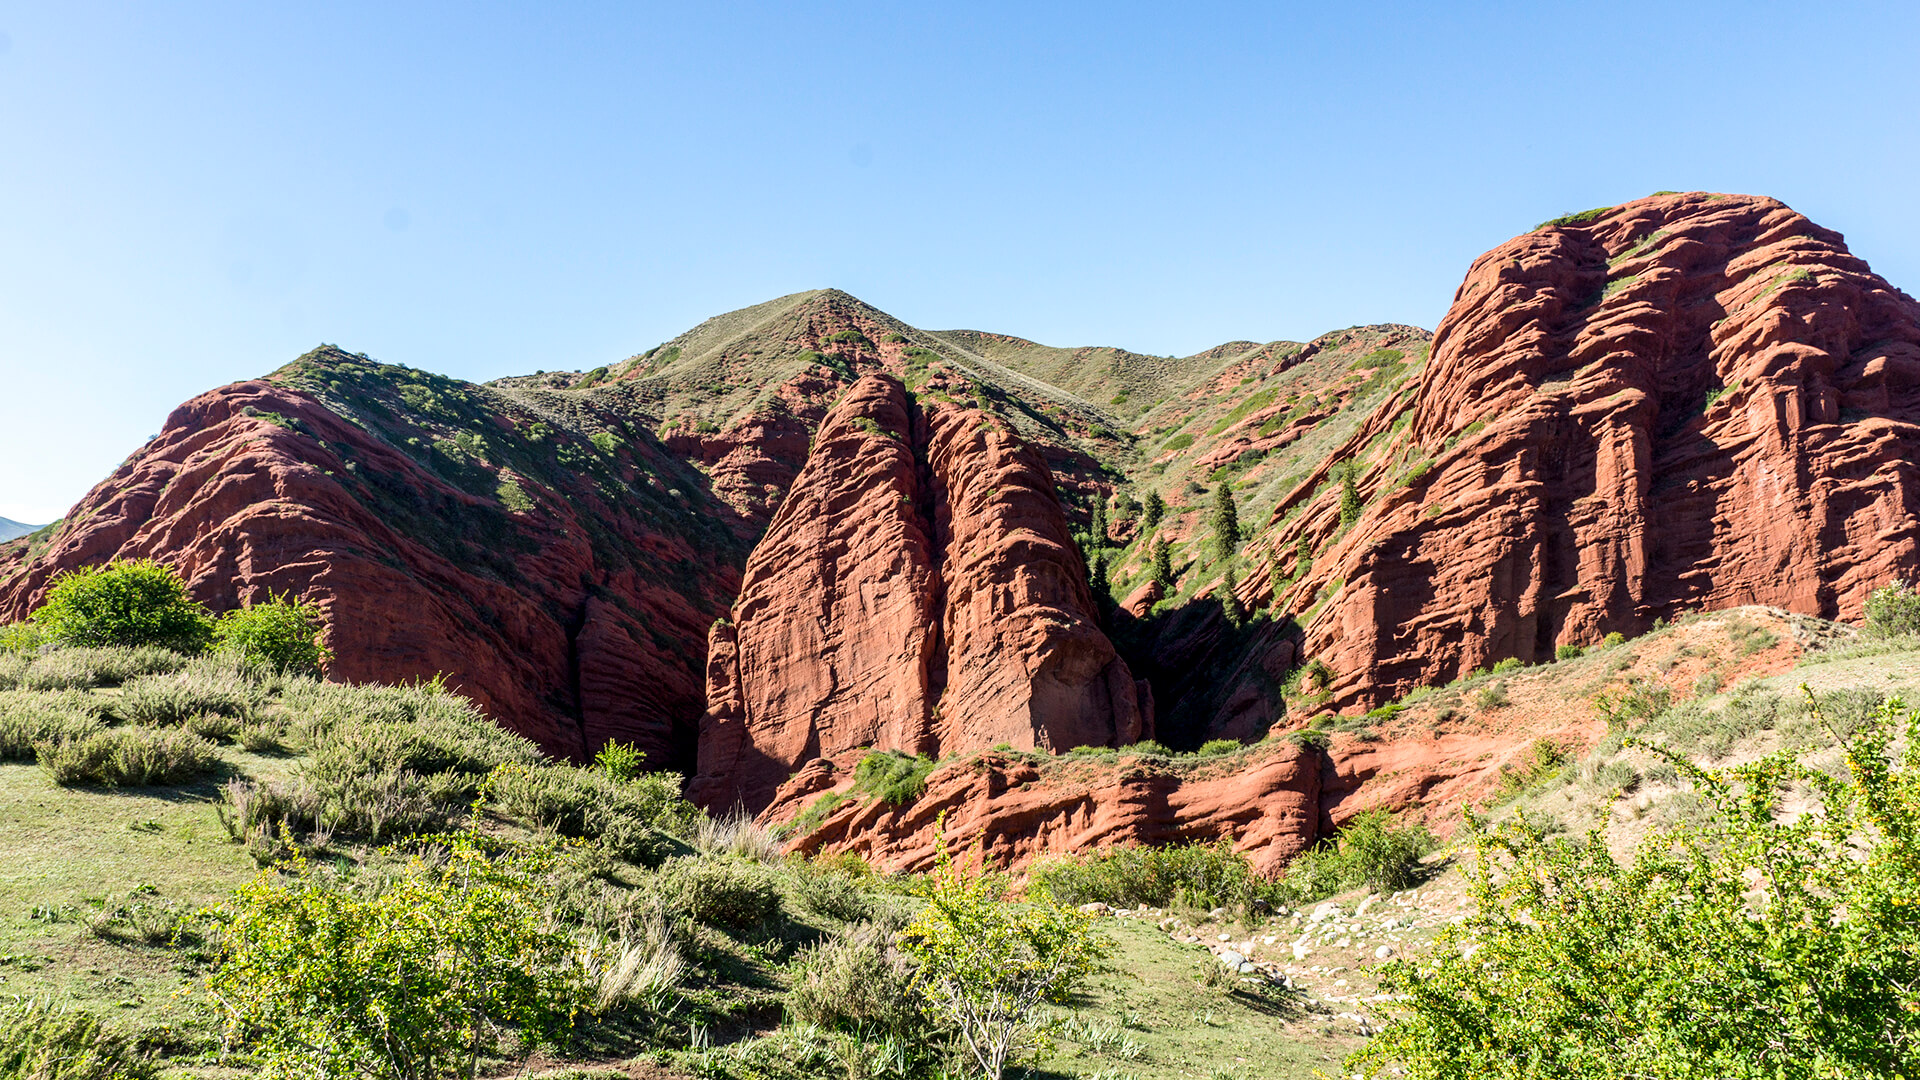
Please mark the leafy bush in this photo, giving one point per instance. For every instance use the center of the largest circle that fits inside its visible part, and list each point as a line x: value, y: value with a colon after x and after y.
x: 892, y: 776
x: 124, y: 603
x: 283, y: 633
x: 1197, y: 875
x: 412, y: 982
x: 41, y: 1042
x: 1614, y: 637
x: 629, y: 819
x: 859, y: 982
x: 1371, y: 850
x: 1893, y: 610
x: 1569, y: 652
x: 819, y: 887
x: 620, y: 761
x: 1219, y: 746
x: 21, y: 638
x: 724, y: 893
x: 1492, y: 697
x: 986, y: 967
x: 128, y: 756
x: 1747, y: 944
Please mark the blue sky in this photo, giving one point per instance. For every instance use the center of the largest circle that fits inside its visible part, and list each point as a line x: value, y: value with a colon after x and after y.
x: 193, y: 194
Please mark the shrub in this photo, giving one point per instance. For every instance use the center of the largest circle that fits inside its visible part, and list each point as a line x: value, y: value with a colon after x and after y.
x: 620, y: 761
x: 1370, y: 850
x: 283, y: 633
x: 1748, y: 943
x: 27, y: 720
x: 411, y: 982
x: 172, y: 700
x: 830, y: 895
x: 1893, y: 610
x: 1569, y: 652
x: 1198, y: 875
x: 1614, y: 637
x: 41, y: 1042
x: 736, y: 834
x: 1492, y: 697
x: 724, y: 893
x: 21, y: 638
x: 858, y: 982
x: 128, y: 756
x: 124, y: 603
x: 80, y: 668
x: 1149, y: 748
x: 987, y: 967
x: 1213, y: 747
x: 1511, y: 663
x: 892, y: 776
x: 629, y: 819
x: 642, y: 970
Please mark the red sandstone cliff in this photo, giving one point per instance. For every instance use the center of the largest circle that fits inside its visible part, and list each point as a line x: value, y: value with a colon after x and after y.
x: 918, y: 590
x: 1690, y: 401
x: 574, y: 619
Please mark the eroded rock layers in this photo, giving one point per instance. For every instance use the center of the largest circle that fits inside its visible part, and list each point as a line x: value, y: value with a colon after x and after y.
x: 1690, y: 401
x: 918, y: 590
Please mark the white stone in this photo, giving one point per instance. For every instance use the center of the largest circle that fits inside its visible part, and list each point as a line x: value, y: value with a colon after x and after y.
x: 1232, y: 959
x: 1365, y: 904
x: 1095, y: 908
x: 1301, y: 950
x: 1226, y: 937
x: 1383, y: 952
x: 1324, y: 912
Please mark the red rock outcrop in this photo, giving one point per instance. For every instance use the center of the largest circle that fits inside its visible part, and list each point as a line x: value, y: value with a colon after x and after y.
x: 918, y: 590
x: 1690, y: 401
x: 575, y: 619
x: 1019, y: 808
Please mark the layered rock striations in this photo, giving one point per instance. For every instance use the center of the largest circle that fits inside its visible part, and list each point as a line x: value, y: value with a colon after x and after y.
x: 1688, y: 401
x: 563, y: 583
x: 919, y: 591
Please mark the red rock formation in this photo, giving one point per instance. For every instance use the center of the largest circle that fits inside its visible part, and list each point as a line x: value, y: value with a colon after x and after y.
x: 572, y: 622
x: 1019, y: 809
x: 1692, y: 401
x: 918, y: 590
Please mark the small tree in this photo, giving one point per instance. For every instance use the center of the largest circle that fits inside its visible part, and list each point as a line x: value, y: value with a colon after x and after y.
x: 1893, y: 610
x: 1162, y: 563
x: 1229, y: 603
x: 987, y: 966
x: 1097, y: 574
x: 133, y: 603
x: 284, y: 633
x: 1350, y: 504
x: 413, y: 982
x: 1156, y: 508
x: 1226, y: 521
x: 1755, y: 945
x: 1099, y: 526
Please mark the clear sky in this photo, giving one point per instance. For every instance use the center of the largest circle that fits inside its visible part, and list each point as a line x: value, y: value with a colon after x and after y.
x: 192, y: 194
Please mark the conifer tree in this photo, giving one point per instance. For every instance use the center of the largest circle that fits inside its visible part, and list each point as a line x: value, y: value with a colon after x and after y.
x: 1099, y: 526
x: 1350, y: 503
x: 1156, y: 509
x: 1229, y: 603
x: 1097, y: 574
x: 1162, y: 563
x: 1226, y: 522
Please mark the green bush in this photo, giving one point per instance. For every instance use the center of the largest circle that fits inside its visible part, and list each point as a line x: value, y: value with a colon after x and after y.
x: 28, y: 719
x: 21, y: 638
x: 409, y: 982
x: 1749, y: 943
x: 1569, y: 652
x: 1893, y: 610
x: 1614, y: 637
x: 1371, y: 850
x: 41, y: 1042
x: 172, y: 700
x: 987, y: 967
x: 1196, y: 875
x: 82, y: 668
x: 128, y: 757
x: 620, y: 761
x: 124, y: 603
x: 283, y: 633
x: 893, y: 777
x: 860, y: 983
x: 819, y: 888
x: 1213, y: 747
x: 631, y: 818
x: 728, y: 894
